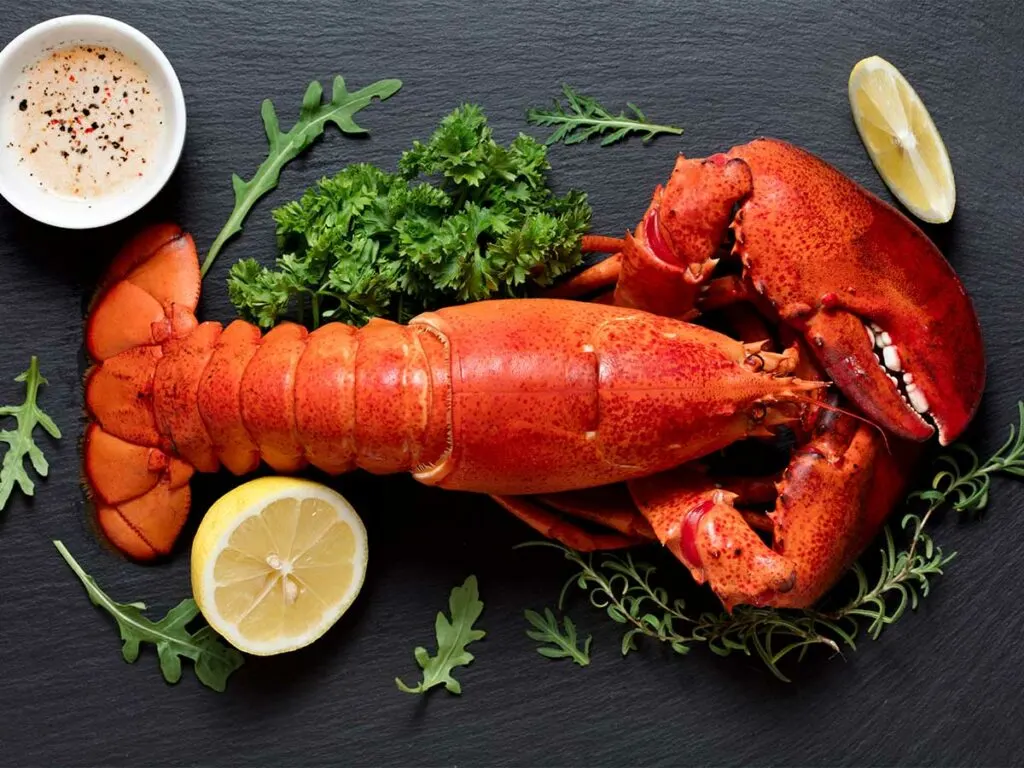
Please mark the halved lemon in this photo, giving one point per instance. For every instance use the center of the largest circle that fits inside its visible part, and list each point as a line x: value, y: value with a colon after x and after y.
x: 276, y: 562
x: 902, y: 140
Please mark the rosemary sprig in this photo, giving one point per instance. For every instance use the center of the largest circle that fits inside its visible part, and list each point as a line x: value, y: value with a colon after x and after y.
x: 559, y: 645
x: 623, y: 588
x: 584, y: 118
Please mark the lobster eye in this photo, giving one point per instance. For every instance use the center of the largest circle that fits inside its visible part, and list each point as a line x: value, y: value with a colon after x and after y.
x: 757, y: 412
x: 754, y: 362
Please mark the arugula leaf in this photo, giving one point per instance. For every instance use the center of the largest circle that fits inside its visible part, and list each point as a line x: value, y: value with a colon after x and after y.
x: 452, y: 638
x: 464, y: 219
x: 285, y: 147
x: 560, y: 646
x: 584, y: 118
x: 214, y: 661
x: 19, y: 441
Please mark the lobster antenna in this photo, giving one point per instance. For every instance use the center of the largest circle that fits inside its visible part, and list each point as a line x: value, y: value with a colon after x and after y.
x: 851, y: 414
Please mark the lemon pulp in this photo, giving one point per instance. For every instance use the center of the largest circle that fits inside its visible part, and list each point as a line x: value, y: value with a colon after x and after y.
x: 276, y: 562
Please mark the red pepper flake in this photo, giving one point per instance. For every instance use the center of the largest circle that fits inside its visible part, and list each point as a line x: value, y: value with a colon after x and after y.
x: 71, y: 78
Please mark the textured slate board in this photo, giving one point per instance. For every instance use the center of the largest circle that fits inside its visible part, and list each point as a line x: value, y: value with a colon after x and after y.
x: 940, y: 687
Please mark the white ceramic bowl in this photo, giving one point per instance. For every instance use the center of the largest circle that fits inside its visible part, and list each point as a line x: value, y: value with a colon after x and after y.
x: 34, y: 44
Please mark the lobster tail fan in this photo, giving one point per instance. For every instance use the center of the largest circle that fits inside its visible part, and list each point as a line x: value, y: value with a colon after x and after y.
x: 145, y: 301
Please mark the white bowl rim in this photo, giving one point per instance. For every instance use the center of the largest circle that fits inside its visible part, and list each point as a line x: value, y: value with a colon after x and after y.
x: 133, y: 203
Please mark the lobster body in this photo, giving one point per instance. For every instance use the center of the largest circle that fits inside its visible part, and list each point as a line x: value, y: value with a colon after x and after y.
x: 502, y: 397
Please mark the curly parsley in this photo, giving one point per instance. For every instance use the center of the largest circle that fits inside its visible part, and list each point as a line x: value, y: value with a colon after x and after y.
x: 463, y: 219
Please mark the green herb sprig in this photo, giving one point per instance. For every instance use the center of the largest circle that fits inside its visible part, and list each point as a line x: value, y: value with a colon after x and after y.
x: 214, y: 660
x: 583, y: 118
x: 624, y: 590
x: 464, y: 219
x: 453, y: 635
x: 20, y: 443
x: 285, y: 147
x: 558, y: 643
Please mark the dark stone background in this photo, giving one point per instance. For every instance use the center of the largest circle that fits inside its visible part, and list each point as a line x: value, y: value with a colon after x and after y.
x: 940, y: 687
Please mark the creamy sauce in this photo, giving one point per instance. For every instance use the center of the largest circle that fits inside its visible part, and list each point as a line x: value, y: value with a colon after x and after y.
x: 84, y: 122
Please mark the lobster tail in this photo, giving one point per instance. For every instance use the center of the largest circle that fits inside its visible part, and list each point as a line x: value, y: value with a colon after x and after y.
x: 142, y: 312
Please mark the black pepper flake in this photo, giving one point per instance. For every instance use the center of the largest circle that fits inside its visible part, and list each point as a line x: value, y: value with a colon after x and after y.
x: 23, y: 105
x: 64, y: 154
x: 95, y: 89
x: 85, y: 112
x: 102, y: 56
x: 115, y: 144
x: 48, y: 113
x: 94, y: 126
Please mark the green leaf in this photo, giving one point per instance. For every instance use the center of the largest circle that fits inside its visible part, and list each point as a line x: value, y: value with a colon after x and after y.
x: 464, y: 219
x: 583, y: 118
x: 561, y: 643
x: 314, y: 117
x: 453, y: 635
x: 20, y: 442
x: 213, y: 660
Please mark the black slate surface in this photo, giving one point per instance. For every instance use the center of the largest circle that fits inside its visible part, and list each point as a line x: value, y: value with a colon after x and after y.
x: 940, y: 687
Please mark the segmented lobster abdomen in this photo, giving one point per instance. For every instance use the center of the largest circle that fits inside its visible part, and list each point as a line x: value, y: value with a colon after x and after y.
x: 339, y: 398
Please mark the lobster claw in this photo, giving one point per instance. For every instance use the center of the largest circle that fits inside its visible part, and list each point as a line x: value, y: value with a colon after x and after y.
x: 879, y: 305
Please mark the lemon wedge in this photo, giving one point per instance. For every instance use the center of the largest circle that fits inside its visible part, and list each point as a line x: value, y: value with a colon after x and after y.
x: 902, y: 140
x: 276, y: 562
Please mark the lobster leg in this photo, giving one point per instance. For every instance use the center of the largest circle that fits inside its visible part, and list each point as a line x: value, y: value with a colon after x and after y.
x: 602, y: 275
x: 608, y: 505
x: 552, y: 526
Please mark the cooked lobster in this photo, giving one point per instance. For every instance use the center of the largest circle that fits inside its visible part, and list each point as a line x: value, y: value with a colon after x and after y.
x: 534, y: 400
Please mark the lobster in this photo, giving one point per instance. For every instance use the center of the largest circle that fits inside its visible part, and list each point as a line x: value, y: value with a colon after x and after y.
x: 598, y: 410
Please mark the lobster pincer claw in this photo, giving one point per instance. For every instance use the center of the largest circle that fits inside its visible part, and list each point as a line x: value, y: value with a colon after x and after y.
x: 832, y: 499
x: 882, y: 309
x: 698, y: 523
x: 668, y: 261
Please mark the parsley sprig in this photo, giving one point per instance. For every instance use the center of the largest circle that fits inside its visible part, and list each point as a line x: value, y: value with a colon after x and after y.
x: 20, y: 443
x: 624, y: 589
x: 583, y: 118
x: 214, y: 660
x: 463, y: 219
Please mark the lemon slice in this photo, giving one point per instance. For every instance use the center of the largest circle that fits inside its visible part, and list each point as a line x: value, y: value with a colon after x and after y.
x: 902, y: 140
x: 276, y: 562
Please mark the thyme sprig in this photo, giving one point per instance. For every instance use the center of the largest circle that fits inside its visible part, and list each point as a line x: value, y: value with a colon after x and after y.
x: 623, y: 588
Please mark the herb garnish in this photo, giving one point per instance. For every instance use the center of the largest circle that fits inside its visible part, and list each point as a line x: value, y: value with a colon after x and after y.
x: 285, y: 147
x: 20, y: 444
x: 452, y: 638
x: 214, y: 660
x: 559, y: 645
x: 584, y: 118
x: 623, y: 588
x: 368, y: 243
